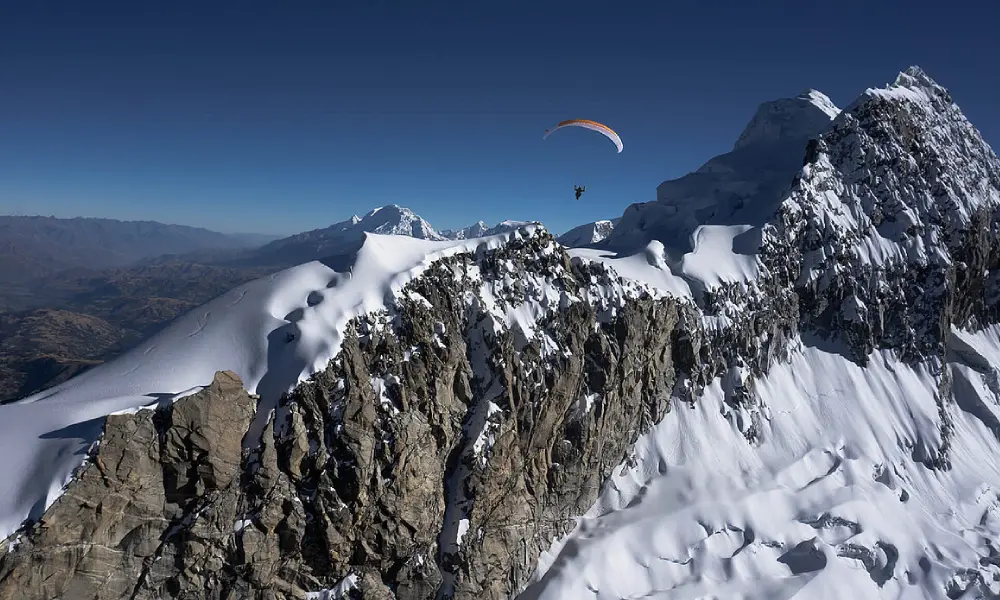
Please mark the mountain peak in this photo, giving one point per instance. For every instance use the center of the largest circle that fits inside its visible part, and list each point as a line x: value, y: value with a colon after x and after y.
x: 743, y: 186
x: 911, y: 85
x: 393, y: 219
x: 820, y: 101
x: 390, y: 211
x: 346, y: 237
x: 901, y: 181
x: 913, y: 77
x: 779, y: 120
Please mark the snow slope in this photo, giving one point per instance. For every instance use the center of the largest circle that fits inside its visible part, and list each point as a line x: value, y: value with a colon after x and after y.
x: 875, y: 481
x: 720, y: 254
x: 829, y: 505
x: 273, y: 332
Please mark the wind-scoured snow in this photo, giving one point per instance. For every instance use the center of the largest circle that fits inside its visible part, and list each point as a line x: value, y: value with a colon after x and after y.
x: 721, y: 254
x: 273, y: 332
x: 830, y: 504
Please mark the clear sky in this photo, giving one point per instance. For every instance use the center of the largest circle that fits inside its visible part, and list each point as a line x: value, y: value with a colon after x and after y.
x: 279, y: 117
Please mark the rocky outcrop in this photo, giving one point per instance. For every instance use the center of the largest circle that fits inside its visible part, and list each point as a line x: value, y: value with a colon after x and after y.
x: 150, y: 515
x: 436, y: 456
x: 893, y: 214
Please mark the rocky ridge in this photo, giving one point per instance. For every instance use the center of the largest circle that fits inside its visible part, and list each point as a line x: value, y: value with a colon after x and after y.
x: 437, y: 455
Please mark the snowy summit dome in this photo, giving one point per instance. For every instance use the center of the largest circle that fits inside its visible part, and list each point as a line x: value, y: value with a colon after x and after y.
x: 788, y: 118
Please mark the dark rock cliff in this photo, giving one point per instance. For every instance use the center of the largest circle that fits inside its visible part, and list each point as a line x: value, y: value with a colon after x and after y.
x: 436, y: 456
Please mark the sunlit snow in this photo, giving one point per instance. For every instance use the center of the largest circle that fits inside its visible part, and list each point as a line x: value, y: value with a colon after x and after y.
x: 830, y: 505
x: 273, y: 332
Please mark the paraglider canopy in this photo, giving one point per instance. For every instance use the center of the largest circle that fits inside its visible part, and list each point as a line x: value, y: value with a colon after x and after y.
x: 592, y: 125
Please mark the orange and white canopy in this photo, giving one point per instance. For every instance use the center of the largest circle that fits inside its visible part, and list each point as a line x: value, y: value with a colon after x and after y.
x: 592, y: 125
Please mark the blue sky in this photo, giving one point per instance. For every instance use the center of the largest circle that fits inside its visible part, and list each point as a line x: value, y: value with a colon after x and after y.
x: 253, y: 116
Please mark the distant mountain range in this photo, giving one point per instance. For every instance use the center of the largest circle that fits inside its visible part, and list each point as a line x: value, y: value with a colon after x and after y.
x: 343, y: 239
x: 32, y: 248
x: 37, y: 246
x: 78, y: 291
x: 481, y: 229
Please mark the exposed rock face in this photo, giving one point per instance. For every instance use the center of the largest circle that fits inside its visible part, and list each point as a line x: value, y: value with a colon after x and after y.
x: 436, y: 456
x: 893, y: 214
x: 441, y: 454
x: 458, y: 432
x: 148, y: 517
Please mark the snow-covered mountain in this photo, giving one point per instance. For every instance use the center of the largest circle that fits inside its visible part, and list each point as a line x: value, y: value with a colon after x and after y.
x: 741, y: 187
x: 862, y: 383
x: 346, y: 237
x: 477, y: 229
x: 481, y: 229
x: 339, y: 242
x: 588, y: 233
x: 801, y: 403
x: 787, y: 119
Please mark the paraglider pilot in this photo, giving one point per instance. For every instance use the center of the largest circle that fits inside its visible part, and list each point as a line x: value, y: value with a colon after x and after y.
x: 579, y: 190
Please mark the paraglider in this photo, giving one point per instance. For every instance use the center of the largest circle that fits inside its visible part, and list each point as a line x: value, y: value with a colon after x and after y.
x: 593, y: 126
